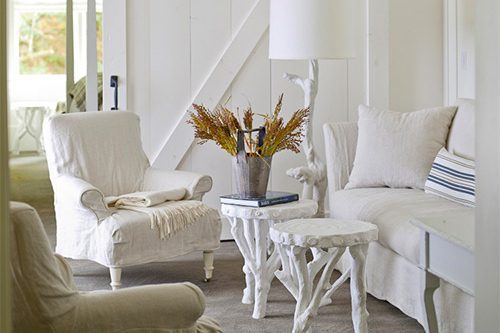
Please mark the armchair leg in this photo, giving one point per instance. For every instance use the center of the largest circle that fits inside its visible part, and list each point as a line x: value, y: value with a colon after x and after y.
x: 208, y: 259
x: 116, y: 277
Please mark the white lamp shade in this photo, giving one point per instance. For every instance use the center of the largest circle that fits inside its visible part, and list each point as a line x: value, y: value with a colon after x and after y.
x: 312, y: 29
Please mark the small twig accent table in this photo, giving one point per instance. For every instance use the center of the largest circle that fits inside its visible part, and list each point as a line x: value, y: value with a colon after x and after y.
x: 250, y: 229
x: 328, y: 239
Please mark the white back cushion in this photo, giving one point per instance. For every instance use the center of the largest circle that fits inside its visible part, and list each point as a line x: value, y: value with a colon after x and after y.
x: 102, y: 148
x: 461, y: 139
x: 396, y: 149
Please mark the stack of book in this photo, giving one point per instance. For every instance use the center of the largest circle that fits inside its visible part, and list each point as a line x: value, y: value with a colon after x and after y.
x: 271, y: 198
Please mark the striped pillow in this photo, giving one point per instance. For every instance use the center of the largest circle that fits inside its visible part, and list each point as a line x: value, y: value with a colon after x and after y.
x: 452, y: 178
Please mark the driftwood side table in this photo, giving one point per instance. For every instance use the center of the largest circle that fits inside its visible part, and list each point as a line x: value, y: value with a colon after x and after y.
x: 328, y: 239
x: 250, y: 229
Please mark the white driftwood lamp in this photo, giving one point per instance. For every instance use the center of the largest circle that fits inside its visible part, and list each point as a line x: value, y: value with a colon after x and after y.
x: 311, y: 30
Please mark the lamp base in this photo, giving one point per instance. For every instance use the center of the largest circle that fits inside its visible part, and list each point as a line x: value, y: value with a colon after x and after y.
x: 313, y: 175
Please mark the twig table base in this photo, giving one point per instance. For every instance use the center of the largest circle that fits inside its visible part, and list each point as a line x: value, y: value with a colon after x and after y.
x: 250, y: 228
x: 328, y: 239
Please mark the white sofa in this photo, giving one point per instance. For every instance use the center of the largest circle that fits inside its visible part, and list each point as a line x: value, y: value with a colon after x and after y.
x: 392, y: 264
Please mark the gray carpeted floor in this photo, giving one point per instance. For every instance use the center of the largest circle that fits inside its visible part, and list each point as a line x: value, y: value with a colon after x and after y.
x: 30, y: 184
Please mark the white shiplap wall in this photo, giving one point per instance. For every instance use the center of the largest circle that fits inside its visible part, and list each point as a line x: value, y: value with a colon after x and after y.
x: 172, y: 46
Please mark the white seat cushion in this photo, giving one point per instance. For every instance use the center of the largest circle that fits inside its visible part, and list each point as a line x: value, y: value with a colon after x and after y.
x: 391, y: 210
x: 126, y: 238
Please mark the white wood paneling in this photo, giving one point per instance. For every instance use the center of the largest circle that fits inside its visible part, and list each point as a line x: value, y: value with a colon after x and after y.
x: 210, y: 33
x: 240, y: 9
x: 378, y: 54
x: 450, y: 51
x: 138, y: 69
x: 216, y: 84
x: 415, y: 54
x: 357, y: 68
x: 208, y: 51
x: 465, y: 49
x: 170, y: 66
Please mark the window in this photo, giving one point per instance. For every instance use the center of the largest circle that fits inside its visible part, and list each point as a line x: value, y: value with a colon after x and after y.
x: 37, y: 55
x: 42, y: 43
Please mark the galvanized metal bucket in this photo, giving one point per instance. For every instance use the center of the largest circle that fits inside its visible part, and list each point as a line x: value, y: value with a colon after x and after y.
x: 251, y: 173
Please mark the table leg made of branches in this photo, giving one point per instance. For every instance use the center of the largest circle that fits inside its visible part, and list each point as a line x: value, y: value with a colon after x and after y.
x: 250, y: 229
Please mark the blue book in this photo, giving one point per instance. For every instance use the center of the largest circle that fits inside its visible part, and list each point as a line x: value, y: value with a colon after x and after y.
x: 271, y: 198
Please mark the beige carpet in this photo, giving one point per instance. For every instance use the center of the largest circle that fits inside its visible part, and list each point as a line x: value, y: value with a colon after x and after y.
x: 30, y: 184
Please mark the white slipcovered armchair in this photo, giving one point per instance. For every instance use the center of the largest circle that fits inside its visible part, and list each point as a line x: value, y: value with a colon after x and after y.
x: 45, y: 298
x: 95, y: 155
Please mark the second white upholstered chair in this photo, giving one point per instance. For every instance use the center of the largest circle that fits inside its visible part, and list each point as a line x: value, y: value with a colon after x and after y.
x: 94, y: 155
x: 45, y: 298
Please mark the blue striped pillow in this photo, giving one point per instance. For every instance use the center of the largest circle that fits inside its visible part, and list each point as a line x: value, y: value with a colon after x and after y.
x: 452, y: 178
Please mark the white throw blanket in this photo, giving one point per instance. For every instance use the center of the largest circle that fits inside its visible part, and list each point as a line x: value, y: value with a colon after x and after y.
x: 165, y: 213
x: 148, y: 199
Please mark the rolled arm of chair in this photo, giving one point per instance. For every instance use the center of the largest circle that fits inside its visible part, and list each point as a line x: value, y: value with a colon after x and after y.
x: 340, y: 146
x: 196, y: 184
x: 78, y: 194
x: 168, y: 306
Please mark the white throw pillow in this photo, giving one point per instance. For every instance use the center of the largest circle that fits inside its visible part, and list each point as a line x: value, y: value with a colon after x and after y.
x: 396, y: 149
x: 453, y: 178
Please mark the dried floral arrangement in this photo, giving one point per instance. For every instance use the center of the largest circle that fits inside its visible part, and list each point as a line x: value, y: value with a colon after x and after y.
x: 222, y: 125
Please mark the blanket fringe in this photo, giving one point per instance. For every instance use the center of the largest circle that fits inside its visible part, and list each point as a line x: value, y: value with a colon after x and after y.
x: 174, y: 216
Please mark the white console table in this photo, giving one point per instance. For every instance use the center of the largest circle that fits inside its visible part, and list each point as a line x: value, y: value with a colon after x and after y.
x: 447, y: 252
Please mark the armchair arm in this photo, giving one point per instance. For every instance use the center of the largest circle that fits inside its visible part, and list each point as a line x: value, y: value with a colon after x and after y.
x: 340, y: 145
x: 196, y: 184
x: 168, y: 306
x: 78, y: 194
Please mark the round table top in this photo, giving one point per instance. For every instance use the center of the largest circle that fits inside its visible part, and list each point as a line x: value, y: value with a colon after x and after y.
x: 323, y: 233
x: 291, y: 210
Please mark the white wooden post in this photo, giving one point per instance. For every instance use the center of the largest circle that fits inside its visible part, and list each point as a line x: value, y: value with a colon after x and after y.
x: 70, y: 53
x: 91, y: 90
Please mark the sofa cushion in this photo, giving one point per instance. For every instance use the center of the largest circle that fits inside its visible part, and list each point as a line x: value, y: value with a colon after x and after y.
x: 396, y: 149
x: 453, y: 178
x: 461, y: 139
x: 391, y: 210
